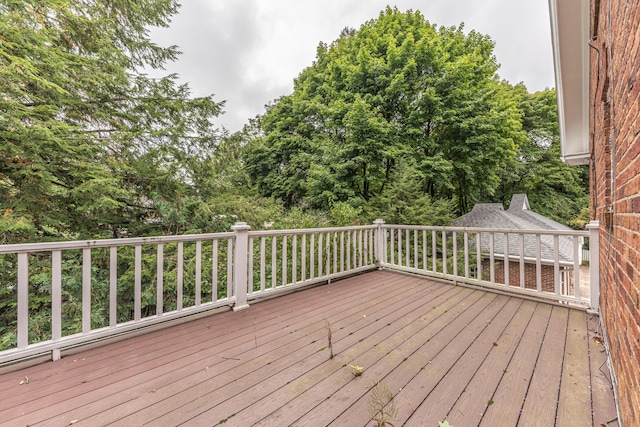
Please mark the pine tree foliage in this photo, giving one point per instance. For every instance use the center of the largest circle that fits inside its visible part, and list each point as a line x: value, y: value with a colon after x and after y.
x: 89, y: 143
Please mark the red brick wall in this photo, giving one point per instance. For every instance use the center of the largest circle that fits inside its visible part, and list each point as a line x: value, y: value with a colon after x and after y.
x: 530, y: 280
x: 615, y: 182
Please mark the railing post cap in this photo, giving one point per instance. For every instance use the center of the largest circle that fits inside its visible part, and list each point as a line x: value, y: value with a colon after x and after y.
x: 378, y: 221
x: 240, y: 226
x: 593, y: 224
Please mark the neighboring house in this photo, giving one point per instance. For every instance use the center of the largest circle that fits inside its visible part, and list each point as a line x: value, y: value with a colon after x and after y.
x: 597, y: 66
x: 519, y: 216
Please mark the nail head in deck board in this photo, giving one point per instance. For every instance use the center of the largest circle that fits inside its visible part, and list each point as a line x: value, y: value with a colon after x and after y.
x: 156, y: 367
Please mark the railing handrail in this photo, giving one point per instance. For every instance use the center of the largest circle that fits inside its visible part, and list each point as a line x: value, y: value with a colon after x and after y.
x: 107, y: 243
x: 299, y: 231
x: 580, y: 233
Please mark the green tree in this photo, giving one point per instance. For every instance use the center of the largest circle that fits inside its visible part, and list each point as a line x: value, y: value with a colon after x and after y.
x: 89, y: 142
x: 554, y: 189
x: 397, y: 90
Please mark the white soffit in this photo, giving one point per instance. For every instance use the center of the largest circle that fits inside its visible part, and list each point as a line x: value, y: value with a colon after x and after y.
x: 570, y: 40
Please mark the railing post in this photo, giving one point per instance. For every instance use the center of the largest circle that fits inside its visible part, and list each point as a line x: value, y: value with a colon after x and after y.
x: 240, y: 263
x: 379, y: 249
x: 594, y: 263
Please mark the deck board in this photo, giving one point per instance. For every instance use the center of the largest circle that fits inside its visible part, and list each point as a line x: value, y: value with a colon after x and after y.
x: 575, y: 393
x: 444, y: 351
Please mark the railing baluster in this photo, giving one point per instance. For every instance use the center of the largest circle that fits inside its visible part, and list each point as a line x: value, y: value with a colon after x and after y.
x: 556, y: 265
x: 399, y: 246
x: 360, y: 248
x: 393, y: 240
x: 444, y: 252
x: 342, y: 251
x: 455, y: 254
x: 434, y: 251
x: 479, y: 255
x: 214, y: 271
x: 159, y: 279
x: 335, y: 252
x: 23, y: 300
x: 274, y: 262
x: 365, y: 249
x: 415, y: 249
x: 56, y: 301
x: 522, y: 277
x: 250, y: 266
x: 506, y: 262
x: 262, y: 262
x: 327, y: 245
x: 576, y: 267
x: 198, y: 272
x: 137, y: 283
x: 312, y: 256
x: 294, y: 259
x: 304, y: 257
x: 466, y: 255
x: 320, y: 250
x: 538, y: 265
x: 492, y: 258
x: 113, y: 286
x: 86, y: 290
x: 371, y: 246
x: 180, y: 276
x: 284, y: 260
x: 56, y: 295
x: 425, y: 264
x: 230, y: 261
x: 348, y: 250
x: 407, y: 248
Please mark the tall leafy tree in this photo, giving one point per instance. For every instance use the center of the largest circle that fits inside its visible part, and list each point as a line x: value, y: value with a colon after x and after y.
x: 88, y: 141
x: 553, y: 188
x: 398, y: 89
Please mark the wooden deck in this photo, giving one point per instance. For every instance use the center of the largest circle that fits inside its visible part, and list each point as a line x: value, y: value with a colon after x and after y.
x: 465, y: 355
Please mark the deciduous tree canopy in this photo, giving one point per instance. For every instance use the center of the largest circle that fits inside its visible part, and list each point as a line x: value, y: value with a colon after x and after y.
x: 397, y: 91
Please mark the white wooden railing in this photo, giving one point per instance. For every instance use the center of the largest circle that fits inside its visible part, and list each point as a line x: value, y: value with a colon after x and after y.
x: 103, y: 288
x: 540, y: 263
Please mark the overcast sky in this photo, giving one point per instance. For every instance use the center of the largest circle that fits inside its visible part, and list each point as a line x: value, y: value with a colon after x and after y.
x: 248, y: 52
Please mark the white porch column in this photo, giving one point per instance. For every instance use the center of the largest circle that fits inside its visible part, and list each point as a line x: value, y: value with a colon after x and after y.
x: 240, y: 263
x: 594, y: 263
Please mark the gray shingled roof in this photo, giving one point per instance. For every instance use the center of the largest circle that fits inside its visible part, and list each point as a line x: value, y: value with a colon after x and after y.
x: 519, y: 216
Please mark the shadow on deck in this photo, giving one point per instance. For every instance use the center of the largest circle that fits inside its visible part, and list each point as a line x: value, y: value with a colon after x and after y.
x: 466, y: 355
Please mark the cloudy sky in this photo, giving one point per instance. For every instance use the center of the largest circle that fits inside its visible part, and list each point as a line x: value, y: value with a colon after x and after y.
x: 248, y: 52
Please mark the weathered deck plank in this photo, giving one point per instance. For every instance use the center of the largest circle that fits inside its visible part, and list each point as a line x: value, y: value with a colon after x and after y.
x: 431, y: 343
x: 575, y: 393
x: 604, y: 410
x: 541, y: 404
